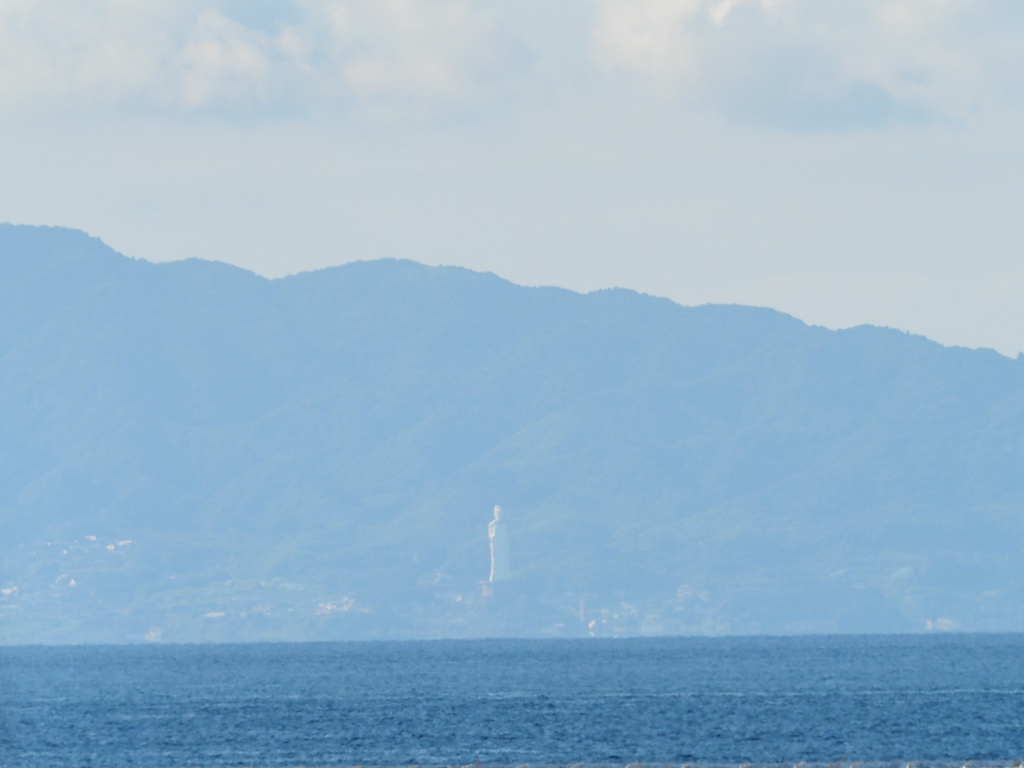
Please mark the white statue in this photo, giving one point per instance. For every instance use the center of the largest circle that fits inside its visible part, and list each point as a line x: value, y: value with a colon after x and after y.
x: 499, y: 548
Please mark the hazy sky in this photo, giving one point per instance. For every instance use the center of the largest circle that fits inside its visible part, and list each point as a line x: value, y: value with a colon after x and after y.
x: 846, y: 161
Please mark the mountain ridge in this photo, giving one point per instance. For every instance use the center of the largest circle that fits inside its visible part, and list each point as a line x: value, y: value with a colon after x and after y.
x: 345, y: 432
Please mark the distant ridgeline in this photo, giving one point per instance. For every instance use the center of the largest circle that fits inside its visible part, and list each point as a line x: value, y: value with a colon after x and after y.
x: 191, y: 452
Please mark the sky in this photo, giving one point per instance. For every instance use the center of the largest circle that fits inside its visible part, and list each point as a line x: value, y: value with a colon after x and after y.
x: 845, y: 161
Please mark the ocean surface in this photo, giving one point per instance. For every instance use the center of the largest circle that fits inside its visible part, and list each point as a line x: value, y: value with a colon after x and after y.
x: 932, y: 699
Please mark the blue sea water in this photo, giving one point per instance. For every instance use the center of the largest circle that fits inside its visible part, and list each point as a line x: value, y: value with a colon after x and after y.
x: 733, y: 700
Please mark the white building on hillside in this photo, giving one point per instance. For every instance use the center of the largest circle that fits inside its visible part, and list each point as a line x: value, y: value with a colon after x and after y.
x: 499, y: 548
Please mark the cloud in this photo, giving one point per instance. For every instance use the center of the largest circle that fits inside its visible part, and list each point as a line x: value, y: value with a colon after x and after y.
x: 814, y: 63
x: 793, y: 64
x: 221, y: 61
x: 183, y: 54
x: 408, y: 47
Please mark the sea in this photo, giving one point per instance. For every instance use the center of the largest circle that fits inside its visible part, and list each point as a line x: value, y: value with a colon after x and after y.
x: 928, y: 700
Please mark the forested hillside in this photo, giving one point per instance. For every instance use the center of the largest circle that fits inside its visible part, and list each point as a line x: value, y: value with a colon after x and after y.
x: 189, y: 451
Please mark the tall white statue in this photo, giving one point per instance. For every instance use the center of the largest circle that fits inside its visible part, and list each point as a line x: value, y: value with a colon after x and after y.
x: 499, y: 548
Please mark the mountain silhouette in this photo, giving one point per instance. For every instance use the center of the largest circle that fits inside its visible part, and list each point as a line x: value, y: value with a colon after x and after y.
x: 189, y: 451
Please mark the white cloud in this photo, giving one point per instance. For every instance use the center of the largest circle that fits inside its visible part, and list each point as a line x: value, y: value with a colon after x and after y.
x: 223, y: 61
x: 188, y: 54
x: 797, y: 63
x: 649, y: 36
x: 845, y: 61
x: 411, y: 47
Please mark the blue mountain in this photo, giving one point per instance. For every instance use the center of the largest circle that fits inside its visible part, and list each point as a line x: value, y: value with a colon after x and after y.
x: 189, y: 451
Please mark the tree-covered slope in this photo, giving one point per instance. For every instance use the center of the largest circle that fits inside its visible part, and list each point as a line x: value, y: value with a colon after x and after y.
x: 317, y: 457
